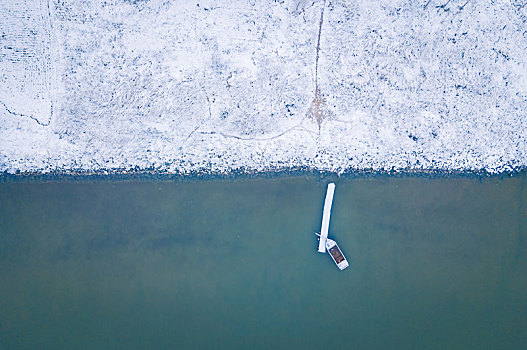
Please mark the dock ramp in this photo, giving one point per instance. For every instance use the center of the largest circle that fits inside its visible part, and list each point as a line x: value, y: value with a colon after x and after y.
x: 325, y: 218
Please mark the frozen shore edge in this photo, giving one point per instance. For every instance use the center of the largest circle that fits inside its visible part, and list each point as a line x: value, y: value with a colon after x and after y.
x: 243, y: 174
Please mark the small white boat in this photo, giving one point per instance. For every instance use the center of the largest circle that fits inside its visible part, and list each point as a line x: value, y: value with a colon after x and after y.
x: 336, y: 254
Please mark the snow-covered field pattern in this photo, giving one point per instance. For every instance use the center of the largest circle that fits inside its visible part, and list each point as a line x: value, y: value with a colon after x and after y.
x: 219, y: 86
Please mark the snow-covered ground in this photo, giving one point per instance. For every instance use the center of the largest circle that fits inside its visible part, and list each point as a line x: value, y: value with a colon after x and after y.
x: 186, y: 86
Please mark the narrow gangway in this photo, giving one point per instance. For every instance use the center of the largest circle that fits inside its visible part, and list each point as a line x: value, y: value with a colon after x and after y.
x: 325, y: 218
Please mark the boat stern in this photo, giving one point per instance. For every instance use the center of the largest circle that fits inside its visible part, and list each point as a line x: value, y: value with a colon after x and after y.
x: 342, y: 265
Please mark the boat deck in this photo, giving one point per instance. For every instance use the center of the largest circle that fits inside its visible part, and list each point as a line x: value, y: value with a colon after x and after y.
x: 336, y: 254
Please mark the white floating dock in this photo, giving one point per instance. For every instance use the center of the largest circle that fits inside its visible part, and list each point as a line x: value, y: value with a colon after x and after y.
x: 325, y: 218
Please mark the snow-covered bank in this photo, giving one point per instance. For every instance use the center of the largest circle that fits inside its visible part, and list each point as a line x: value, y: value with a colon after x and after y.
x: 185, y: 86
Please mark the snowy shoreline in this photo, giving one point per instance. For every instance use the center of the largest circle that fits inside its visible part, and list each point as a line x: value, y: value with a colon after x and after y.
x: 243, y: 175
x: 190, y: 87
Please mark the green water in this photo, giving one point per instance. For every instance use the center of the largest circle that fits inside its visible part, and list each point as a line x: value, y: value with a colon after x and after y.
x: 435, y: 264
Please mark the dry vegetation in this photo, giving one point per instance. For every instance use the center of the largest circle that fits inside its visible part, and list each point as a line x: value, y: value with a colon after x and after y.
x: 318, y: 110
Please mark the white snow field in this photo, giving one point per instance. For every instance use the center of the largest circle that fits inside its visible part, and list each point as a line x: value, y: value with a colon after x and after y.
x: 218, y: 86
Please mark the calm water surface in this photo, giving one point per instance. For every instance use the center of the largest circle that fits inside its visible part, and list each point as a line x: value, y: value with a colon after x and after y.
x: 435, y: 264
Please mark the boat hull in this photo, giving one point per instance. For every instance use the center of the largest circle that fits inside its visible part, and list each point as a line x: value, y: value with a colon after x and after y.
x: 336, y: 254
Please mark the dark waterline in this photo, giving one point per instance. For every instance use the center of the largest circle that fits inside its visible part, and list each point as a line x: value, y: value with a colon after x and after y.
x: 435, y: 263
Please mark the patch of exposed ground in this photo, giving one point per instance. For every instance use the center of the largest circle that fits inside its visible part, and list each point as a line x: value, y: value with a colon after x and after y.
x: 318, y: 110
